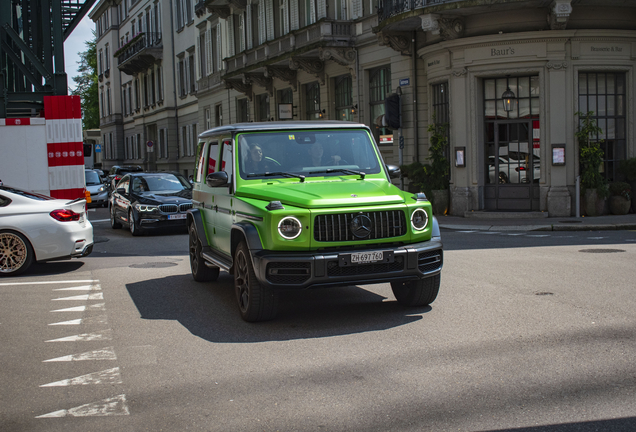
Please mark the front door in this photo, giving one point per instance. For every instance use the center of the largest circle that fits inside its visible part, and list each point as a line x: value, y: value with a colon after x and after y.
x: 512, y: 166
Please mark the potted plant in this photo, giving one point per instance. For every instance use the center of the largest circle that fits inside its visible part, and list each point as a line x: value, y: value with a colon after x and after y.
x: 620, y: 198
x: 590, y: 160
x: 628, y: 169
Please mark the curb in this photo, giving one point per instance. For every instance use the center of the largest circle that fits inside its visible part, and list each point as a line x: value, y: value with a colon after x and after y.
x: 605, y: 227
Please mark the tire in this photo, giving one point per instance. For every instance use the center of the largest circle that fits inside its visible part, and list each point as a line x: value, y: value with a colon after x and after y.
x: 132, y: 225
x: 113, y: 221
x: 420, y: 292
x: 255, y: 302
x: 200, y: 271
x: 16, y: 253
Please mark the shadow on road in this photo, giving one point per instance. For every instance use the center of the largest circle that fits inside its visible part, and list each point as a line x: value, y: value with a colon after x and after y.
x: 53, y: 268
x: 209, y: 310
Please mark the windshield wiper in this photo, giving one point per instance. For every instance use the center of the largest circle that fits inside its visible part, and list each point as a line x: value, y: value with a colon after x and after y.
x: 278, y: 173
x: 344, y: 170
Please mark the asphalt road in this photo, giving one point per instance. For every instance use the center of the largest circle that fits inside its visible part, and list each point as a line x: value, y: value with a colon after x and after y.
x: 531, y: 332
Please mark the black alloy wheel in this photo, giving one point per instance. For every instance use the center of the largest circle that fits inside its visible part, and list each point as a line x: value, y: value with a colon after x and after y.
x: 256, y: 302
x: 200, y: 271
x: 113, y: 219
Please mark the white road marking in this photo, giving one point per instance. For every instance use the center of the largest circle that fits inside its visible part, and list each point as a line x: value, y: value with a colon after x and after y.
x: 102, y: 319
x: 515, y: 234
x: 538, y: 235
x: 95, y: 287
x: 630, y: 240
x: 108, y: 376
x: 466, y: 231
x: 106, y: 407
x: 85, y: 337
x: 93, y: 296
x: 95, y: 307
x: 596, y: 238
x: 101, y: 354
x: 48, y: 282
x: 489, y: 232
x: 100, y: 220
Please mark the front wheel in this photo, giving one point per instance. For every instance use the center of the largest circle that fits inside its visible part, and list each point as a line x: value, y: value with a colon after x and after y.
x: 16, y: 253
x: 256, y: 302
x: 200, y: 271
x: 113, y: 219
x: 134, y: 228
x: 421, y: 292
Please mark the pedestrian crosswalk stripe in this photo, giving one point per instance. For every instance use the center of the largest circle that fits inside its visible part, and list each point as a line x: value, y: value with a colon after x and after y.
x: 101, y: 354
x: 102, y: 319
x: 85, y: 337
x: 94, y: 287
x: 108, y: 376
x: 92, y: 296
x: 107, y: 407
x: 95, y: 307
x: 48, y: 282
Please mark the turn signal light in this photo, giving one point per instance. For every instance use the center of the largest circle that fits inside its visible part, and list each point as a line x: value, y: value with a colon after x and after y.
x: 65, y: 215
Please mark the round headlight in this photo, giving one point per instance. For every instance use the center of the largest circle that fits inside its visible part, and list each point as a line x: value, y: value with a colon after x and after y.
x: 289, y: 227
x: 419, y: 219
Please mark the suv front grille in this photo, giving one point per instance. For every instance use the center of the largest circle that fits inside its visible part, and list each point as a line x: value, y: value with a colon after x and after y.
x: 337, y: 227
x: 333, y: 269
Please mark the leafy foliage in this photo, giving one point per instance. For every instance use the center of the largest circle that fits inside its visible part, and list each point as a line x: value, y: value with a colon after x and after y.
x: 590, y: 154
x: 627, y: 168
x: 87, y: 85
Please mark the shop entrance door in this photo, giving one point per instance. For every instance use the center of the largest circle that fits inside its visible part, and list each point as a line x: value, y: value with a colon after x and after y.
x: 512, y: 166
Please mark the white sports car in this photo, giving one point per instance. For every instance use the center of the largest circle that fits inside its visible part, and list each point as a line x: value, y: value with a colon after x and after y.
x: 36, y: 227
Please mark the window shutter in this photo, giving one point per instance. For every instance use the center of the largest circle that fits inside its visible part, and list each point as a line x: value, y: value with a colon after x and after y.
x: 357, y: 9
x: 312, y: 11
x: 322, y: 9
x: 230, y: 36
x: 294, y: 15
x: 286, y: 9
x: 208, y: 52
x: 241, y: 33
x: 261, y: 22
x: 198, y: 58
x: 248, y: 26
x: 269, y: 8
x: 186, y: 63
x: 218, y: 47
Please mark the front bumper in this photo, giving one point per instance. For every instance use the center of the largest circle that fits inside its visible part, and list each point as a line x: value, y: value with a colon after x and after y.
x: 327, y: 268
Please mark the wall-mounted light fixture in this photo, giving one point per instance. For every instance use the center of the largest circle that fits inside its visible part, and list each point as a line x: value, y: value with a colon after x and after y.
x: 508, y: 97
x: 354, y: 109
x: 322, y: 113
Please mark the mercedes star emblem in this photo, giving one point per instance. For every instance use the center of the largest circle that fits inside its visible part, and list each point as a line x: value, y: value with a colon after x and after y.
x: 361, y: 226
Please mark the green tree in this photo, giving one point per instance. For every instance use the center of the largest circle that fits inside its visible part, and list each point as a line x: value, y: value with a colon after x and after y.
x: 87, y: 85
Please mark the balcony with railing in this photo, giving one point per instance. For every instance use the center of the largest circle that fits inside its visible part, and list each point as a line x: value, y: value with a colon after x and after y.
x: 140, y: 53
x: 390, y: 8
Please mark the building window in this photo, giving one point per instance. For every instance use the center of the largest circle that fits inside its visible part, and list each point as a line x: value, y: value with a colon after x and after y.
x: 108, y: 104
x: 146, y: 92
x: 137, y: 106
x: 124, y: 109
x: 218, y: 115
x: 208, y: 120
x: 182, y: 79
x: 192, y: 83
x: 153, y: 94
x: 312, y: 101
x: 100, y: 62
x: 242, y: 113
x: 344, y: 98
x: 379, y: 88
x: 163, y: 144
x: 203, y: 47
x: 262, y: 105
x: 159, y: 83
x: 604, y: 93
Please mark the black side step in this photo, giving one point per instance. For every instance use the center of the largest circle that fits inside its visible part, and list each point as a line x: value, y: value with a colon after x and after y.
x: 217, y: 261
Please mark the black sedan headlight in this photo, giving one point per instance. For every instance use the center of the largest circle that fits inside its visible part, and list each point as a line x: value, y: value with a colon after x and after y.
x: 146, y: 208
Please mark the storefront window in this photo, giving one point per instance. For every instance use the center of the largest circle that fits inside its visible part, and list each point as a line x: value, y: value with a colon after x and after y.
x: 344, y: 98
x: 603, y: 93
x: 312, y: 92
x: 379, y: 88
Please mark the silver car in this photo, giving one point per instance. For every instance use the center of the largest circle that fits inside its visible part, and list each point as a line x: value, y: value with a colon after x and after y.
x: 98, y: 190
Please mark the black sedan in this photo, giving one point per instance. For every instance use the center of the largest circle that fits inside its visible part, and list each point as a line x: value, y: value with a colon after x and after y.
x: 148, y: 201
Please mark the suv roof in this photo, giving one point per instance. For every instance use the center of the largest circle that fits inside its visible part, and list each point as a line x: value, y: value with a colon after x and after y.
x: 285, y: 125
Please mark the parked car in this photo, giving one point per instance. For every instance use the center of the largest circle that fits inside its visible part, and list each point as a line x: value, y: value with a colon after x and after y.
x: 295, y: 205
x: 150, y: 201
x: 37, y: 228
x: 97, y: 189
x: 117, y: 172
x: 513, y: 171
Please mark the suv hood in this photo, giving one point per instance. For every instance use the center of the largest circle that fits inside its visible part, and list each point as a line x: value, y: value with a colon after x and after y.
x: 325, y: 193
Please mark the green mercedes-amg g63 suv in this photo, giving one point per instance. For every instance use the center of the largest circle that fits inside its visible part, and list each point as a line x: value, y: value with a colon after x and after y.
x: 293, y: 205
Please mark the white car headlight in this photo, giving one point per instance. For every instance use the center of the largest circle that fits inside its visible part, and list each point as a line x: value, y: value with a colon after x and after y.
x: 101, y: 189
x: 146, y: 207
x: 419, y: 219
x: 289, y: 227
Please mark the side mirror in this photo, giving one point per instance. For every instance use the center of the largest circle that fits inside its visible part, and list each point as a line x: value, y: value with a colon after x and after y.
x: 121, y: 191
x: 394, y: 171
x: 217, y: 179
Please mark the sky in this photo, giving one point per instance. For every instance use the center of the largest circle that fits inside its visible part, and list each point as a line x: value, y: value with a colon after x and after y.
x: 75, y: 44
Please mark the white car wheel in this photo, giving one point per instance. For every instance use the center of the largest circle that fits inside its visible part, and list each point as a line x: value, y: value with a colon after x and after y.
x: 16, y: 253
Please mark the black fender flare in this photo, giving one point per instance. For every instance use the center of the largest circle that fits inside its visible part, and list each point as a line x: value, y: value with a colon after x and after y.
x: 194, y: 216
x: 250, y: 233
x: 436, y: 232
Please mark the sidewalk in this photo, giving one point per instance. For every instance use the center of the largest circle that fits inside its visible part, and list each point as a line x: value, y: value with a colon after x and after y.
x: 516, y: 221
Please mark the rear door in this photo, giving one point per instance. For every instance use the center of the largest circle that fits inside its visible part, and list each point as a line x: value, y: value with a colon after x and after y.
x: 202, y: 194
x: 223, y: 200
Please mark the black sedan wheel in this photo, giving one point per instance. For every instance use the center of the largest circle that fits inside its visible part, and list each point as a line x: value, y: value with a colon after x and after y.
x: 200, y: 271
x: 16, y: 253
x: 256, y: 302
x: 134, y: 228
x: 113, y: 220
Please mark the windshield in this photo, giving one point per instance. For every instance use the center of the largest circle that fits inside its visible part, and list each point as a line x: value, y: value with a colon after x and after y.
x: 306, y: 153
x: 92, y: 178
x: 160, y: 183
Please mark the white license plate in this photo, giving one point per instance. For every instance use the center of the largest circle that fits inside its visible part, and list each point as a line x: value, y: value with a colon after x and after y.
x: 366, y: 257
x: 177, y: 216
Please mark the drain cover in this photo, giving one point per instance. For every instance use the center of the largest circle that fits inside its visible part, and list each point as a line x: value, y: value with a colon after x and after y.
x: 154, y: 265
x: 601, y: 250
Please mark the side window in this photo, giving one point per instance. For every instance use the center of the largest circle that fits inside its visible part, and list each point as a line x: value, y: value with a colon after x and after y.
x: 4, y: 201
x: 200, y: 166
x: 213, y: 157
x: 124, y: 183
x: 226, y: 158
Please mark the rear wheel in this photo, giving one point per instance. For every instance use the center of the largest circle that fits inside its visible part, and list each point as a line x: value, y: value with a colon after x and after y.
x: 421, y: 292
x: 113, y: 220
x: 200, y: 271
x: 16, y: 253
x: 134, y: 228
x: 256, y: 302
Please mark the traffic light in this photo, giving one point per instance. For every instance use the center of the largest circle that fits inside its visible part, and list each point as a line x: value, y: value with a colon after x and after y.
x: 392, y: 117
